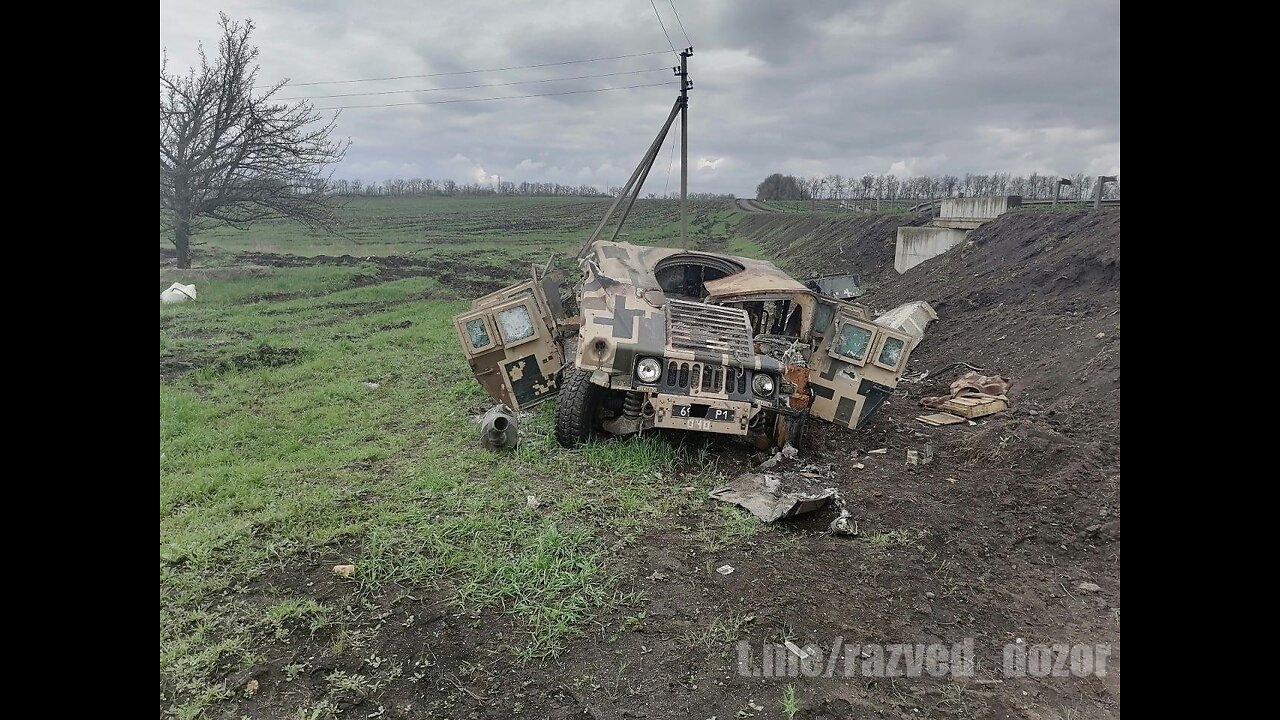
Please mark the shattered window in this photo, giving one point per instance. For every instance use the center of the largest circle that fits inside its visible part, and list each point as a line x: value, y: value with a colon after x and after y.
x: 853, y: 341
x: 822, y: 318
x: 891, y: 352
x: 478, y: 333
x: 515, y: 323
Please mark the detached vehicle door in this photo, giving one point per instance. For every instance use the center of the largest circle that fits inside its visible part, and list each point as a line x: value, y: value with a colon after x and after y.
x: 856, y: 363
x: 510, y: 339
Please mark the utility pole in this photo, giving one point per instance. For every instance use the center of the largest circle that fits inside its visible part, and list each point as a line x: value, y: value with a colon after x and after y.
x: 684, y: 145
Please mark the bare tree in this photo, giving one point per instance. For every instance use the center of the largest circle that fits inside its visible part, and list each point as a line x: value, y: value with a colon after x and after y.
x: 231, y: 154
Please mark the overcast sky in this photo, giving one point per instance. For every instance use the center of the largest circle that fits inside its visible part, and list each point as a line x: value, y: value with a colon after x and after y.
x: 813, y: 87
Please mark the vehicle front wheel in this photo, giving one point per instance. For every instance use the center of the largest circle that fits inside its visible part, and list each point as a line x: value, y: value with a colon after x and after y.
x: 577, y: 408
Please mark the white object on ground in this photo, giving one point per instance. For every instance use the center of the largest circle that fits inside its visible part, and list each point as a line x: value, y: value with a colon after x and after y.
x: 799, y: 652
x: 177, y: 293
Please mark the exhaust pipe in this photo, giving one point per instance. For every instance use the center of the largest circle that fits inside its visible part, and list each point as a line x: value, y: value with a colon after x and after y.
x: 499, y: 428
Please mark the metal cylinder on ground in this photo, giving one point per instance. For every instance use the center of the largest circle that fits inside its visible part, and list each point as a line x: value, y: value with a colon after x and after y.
x: 499, y: 428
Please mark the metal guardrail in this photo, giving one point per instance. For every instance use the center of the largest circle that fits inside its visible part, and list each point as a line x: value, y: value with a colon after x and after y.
x: 1107, y: 203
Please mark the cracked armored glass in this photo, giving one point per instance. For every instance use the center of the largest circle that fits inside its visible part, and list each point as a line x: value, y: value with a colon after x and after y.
x: 891, y: 352
x: 478, y: 333
x: 853, y: 341
x: 515, y: 323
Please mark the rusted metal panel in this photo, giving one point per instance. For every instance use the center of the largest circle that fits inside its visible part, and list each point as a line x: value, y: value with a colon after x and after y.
x: 800, y: 398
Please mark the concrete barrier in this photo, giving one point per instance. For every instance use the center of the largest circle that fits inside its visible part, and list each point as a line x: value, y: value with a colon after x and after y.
x: 978, y: 208
x: 917, y: 244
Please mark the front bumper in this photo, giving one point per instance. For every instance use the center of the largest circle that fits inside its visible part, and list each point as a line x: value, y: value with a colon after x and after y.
x: 704, y: 414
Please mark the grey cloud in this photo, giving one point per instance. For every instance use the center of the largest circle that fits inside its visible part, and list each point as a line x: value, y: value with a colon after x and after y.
x: 812, y: 87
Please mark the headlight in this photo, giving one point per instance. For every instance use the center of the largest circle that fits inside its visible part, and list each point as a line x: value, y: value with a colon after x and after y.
x: 762, y: 384
x: 648, y: 370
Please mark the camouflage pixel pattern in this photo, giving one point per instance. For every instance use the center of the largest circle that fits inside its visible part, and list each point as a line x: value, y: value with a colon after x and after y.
x: 705, y: 343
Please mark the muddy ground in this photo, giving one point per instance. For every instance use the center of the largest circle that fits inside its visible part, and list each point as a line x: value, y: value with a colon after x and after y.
x: 991, y: 541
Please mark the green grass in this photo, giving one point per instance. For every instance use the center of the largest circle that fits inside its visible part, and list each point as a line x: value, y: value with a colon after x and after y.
x: 526, y: 228
x: 727, y: 525
x: 275, y: 456
x: 790, y: 705
x: 717, y: 634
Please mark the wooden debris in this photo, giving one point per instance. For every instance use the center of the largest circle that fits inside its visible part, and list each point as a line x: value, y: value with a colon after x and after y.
x: 937, y: 419
x: 973, y: 406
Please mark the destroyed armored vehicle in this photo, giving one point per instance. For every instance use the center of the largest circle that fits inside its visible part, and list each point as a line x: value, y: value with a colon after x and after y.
x: 655, y: 337
x: 668, y: 338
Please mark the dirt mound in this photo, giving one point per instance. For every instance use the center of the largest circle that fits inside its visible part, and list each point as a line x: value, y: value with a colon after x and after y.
x: 1035, y: 296
x: 822, y: 244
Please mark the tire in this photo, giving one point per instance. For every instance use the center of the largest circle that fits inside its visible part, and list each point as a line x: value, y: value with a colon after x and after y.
x: 788, y: 429
x: 795, y: 427
x: 576, y: 408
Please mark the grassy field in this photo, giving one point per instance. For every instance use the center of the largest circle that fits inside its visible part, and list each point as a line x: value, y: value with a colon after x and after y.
x: 316, y: 415
x: 430, y: 226
x: 315, y: 411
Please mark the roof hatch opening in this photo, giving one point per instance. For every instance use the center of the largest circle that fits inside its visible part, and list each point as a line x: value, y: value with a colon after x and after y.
x: 683, y: 275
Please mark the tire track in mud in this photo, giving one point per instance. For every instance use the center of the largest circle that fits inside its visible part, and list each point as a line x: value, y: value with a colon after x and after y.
x: 470, y: 277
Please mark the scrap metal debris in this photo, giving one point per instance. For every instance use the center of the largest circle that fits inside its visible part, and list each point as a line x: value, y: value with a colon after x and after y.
x: 837, y: 286
x: 762, y: 494
x: 920, y: 457
x: 844, y: 525
x: 911, y: 318
x: 499, y: 428
x: 786, y: 453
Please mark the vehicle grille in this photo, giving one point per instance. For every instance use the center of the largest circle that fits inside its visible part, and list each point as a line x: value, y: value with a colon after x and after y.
x: 701, y: 378
x: 695, y: 326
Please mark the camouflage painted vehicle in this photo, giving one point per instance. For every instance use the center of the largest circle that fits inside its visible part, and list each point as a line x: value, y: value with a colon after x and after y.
x: 655, y: 337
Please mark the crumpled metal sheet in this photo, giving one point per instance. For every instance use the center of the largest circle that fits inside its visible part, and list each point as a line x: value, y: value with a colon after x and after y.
x: 836, y: 286
x: 762, y: 494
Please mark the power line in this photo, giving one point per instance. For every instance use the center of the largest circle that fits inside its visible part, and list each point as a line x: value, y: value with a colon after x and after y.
x: 507, y: 97
x: 469, y: 87
x: 663, y: 26
x: 472, y: 72
x: 687, y: 41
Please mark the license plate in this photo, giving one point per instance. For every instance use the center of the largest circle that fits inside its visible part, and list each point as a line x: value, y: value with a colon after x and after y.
x: 702, y: 411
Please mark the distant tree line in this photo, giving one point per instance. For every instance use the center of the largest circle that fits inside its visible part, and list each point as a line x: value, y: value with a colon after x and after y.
x: 426, y: 186
x: 890, y: 188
